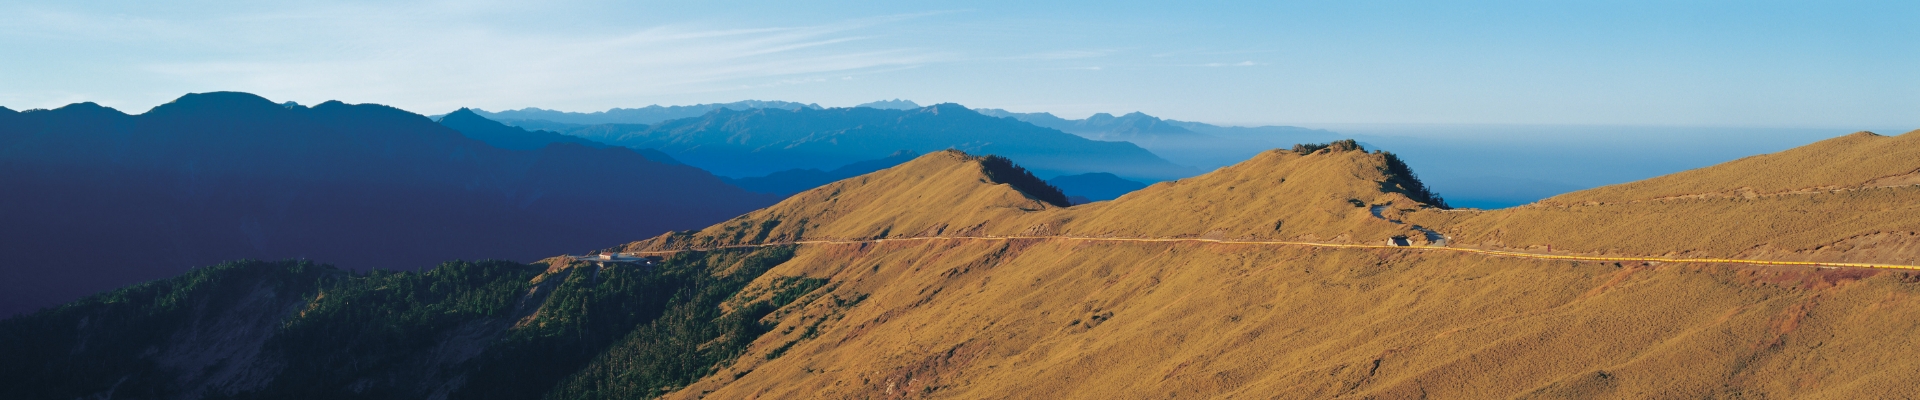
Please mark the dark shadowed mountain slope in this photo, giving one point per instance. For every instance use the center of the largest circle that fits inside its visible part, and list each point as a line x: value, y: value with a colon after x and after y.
x: 762, y: 141
x: 97, y: 199
x: 462, y: 330
x: 1188, y: 143
x: 786, y: 183
x: 642, y: 115
x: 1096, y: 186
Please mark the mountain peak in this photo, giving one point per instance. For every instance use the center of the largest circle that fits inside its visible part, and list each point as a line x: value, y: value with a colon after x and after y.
x: 943, y: 192
x: 895, y: 104
x: 462, y: 114
x: 937, y: 109
x: 475, y: 126
x: 225, y: 102
x: 1277, y: 194
x: 87, y: 109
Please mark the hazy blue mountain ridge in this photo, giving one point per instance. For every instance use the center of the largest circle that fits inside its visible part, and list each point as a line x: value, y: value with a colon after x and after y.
x: 786, y: 183
x: 763, y: 141
x: 643, y: 115
x: 114, y: 198
x: 895, y: 104
x: 506, y: 137
x: 1187, y: 143
x: 501, y: 135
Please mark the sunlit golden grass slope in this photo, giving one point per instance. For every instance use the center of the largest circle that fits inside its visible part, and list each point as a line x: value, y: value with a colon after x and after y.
x: 1851, y: 198
x: 1050, y: 320
x: 1858, y: 160
x: 1276, y: 195
x: 1059, y: 318
x: 1323, y: 196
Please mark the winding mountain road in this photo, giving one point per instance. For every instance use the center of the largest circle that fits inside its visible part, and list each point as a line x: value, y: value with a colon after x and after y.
x: 1497, y: 253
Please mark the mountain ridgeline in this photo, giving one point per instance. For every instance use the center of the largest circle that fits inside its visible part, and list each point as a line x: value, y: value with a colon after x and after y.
x: 763, y: 141
x: 786, y: 183
x: 1182, y: 142
x: 98, y: 199
x: 1317, y: 272
x: 643, y: 115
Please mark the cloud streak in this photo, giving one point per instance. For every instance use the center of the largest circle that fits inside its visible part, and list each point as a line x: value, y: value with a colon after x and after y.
x: 394, y: 56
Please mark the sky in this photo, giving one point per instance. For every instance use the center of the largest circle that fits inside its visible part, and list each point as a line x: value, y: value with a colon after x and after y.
x: 1827, y: 64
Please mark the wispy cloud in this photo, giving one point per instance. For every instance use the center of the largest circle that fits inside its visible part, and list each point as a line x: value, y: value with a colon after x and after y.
x: 402, y: 55
x: 1238, y: 64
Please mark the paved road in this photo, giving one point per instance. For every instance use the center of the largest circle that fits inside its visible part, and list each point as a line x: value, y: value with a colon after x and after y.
x: 1498, y: 253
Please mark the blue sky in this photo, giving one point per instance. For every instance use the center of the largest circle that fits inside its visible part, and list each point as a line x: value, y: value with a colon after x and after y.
x: 1830, y: 64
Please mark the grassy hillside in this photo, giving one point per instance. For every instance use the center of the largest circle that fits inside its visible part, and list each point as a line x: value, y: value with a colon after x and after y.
x: 1859, y: 160
x: 1321, y: 195
x: 1043, y: 318
x: 1851, y: 198
x: 1072, y: 320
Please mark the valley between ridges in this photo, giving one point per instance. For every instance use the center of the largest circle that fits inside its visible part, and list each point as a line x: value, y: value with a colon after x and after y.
x: 1497, y: 253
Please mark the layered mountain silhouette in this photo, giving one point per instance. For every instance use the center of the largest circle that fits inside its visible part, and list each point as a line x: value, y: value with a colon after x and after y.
x: 1186, y: 143
x: 1321, y: 271
x: 786, y: 183
x: 644, y: 115
x: 762, y: 141
x: 98, y: 199
x: 506, y: 137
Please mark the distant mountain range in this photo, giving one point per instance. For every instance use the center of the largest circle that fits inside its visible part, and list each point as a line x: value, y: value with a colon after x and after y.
x: 786, y: 183
x: 1187, y: 143
x: 484, y: 129
x: 474, y: 126
x: 1181, y: 142
x: 895, y: 104
x: 1094, y: 186
x: 644, y: 115
x: 95, y: 198
x: 762, y: 141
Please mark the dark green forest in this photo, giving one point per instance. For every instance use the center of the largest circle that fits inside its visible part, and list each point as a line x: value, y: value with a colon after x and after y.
x: 464, y: 330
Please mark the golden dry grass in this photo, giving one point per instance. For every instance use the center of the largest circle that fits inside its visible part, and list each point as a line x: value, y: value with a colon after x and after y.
x: 1276, y: 195
x: 1862, y: 159
x: 1076, y: 319
x: 1842, y: 199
